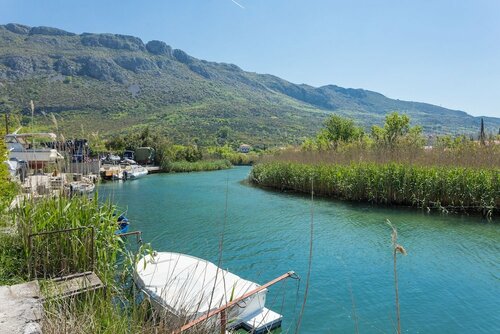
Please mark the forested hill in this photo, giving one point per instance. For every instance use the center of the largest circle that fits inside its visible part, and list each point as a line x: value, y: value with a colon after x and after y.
x: 115, y: 83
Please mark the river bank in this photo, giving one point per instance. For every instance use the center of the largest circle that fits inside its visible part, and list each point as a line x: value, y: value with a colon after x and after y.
x: 267, y: 232
x: 51, y: 242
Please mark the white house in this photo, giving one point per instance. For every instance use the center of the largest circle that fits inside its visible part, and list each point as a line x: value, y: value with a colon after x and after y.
x: 244, y: 148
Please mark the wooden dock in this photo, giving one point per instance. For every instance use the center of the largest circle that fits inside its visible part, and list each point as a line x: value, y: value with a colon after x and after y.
x: 72, y: 285
x: 153, y: 169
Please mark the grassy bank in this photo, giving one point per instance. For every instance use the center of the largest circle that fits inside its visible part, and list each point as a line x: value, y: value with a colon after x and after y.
x: 197, y: 166
x: 457, y: 188
x: 49, y: 214
x: 121, y: 308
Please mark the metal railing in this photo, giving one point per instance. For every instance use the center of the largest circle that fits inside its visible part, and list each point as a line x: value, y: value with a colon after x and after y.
x: 222, y: 310
x: 56, y: 254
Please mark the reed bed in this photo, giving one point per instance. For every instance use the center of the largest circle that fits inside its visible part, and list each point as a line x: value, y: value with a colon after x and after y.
x: 198, y: 166
x: 469, y: 155
x: 445, y: 187
x: 57, y: 254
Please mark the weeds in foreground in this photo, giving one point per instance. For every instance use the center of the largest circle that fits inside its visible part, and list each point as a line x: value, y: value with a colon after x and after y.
x: 12, y: 260
x: 122, y: 311
x: 50, y: 214
x: 61, y: 254
x: 397, y: 248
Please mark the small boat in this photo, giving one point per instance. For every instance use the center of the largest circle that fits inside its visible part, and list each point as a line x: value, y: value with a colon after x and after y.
x: 123, y: 225
x: 189, y: 287
x: 81, y: 187
x: 134, y: 172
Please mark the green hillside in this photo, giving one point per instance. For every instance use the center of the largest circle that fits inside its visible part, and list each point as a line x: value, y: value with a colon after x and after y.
x: 116, y: 83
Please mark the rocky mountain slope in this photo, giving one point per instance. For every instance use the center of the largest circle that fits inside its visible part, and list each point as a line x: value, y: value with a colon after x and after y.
x: 115, y: 83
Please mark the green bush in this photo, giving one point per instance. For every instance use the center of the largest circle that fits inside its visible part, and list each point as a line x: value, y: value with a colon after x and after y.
x: 236, y: 158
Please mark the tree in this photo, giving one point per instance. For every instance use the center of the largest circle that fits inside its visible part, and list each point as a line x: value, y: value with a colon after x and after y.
x: 397, y: 129
x: 223, y: 135
x: 414, y: 137
x: 482, y: 135
x: 378, y: 134
x: 145, y: 137
x: 339, y: 129
x: 11, y: 116
x: 308, y: 145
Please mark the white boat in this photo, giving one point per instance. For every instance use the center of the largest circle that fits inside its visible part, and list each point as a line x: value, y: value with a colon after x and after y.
x: 134, y: 172
x: 117, y: 175
x: 189, y: 287
x: 21, y: 147
x: 81, y: 187
x: 111, y: 172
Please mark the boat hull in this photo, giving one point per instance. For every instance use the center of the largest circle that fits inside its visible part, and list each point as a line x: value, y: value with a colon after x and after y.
x: 136, y: 173
x: 190, y: 287
x: 81, y: 187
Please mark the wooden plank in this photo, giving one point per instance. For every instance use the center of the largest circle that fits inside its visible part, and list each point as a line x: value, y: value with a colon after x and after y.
x: 73, y: 285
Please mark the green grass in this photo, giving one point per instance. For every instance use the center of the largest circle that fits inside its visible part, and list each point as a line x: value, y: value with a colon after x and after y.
x: 456, y: 188
x: 198, y: 166
x: 7, y: 189
x: 12, y: 259
x: 58, y: 254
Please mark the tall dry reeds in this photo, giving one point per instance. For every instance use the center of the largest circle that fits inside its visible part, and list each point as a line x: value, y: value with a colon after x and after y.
x: 112, y: 313
x: 470, y: 155
x: 396, y: 249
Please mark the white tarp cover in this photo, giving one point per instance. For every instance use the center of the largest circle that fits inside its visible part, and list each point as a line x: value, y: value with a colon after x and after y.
x: 184, y: 284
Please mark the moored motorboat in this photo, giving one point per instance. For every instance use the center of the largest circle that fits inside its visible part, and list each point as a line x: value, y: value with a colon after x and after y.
x: 134, y: 172
x: 81, y: 187
x: 190, y: 287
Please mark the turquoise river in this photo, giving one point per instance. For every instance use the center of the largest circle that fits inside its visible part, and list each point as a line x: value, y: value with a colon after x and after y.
x: 448, y: 283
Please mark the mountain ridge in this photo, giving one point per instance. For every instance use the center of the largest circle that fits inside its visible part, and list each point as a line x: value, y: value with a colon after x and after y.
x: 180, y: 94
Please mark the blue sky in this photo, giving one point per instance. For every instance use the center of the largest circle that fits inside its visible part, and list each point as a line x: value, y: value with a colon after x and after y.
x: 444, y: 52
